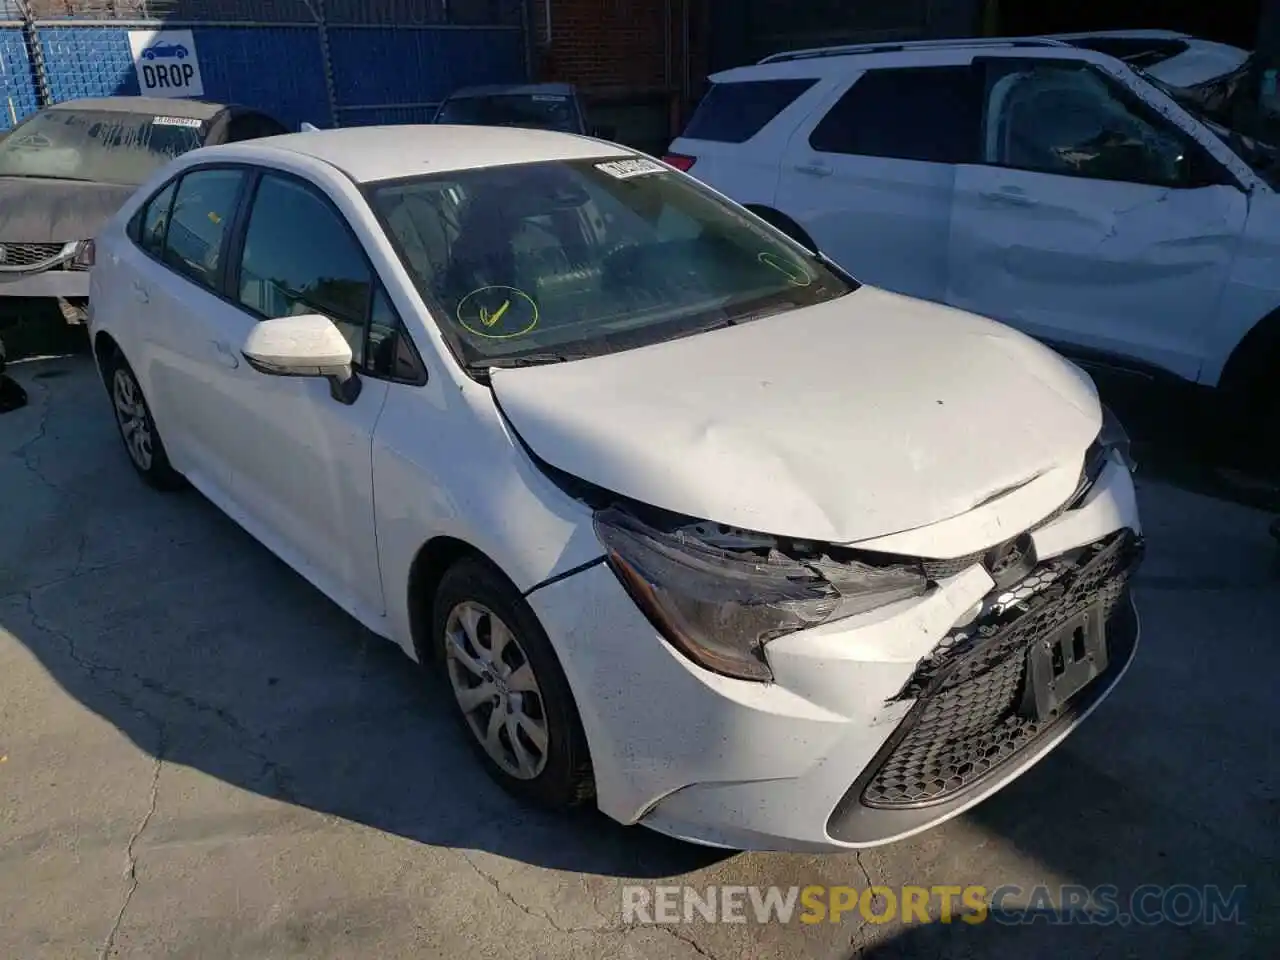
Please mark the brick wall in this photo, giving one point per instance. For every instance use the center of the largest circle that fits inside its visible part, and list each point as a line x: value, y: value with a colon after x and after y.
x: 627, y: 58
x: 608, y: 46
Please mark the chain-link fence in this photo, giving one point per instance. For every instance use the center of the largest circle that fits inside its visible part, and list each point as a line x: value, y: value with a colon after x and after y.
x: 327, y: 62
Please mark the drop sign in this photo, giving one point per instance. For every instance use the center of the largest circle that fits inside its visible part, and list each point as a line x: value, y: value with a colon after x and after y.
x: 166, y: 62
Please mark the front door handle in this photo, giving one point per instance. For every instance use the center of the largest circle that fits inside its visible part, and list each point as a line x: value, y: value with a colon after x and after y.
x: 226, y: 356
x: 813, y: 170
x: 141, y: 293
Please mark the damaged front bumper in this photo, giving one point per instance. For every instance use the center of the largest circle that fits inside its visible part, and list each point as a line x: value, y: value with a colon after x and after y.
x: 42, y: 270
x: 875, y: 727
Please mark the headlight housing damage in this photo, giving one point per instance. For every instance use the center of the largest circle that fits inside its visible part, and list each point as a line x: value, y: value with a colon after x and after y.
x: 721, y: 606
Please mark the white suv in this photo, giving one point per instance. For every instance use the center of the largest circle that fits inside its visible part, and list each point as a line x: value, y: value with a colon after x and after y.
x: 1051, y: 187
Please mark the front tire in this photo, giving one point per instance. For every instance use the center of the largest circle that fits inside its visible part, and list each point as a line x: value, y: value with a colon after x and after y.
x: 137, y: 427
x: 511, y: 694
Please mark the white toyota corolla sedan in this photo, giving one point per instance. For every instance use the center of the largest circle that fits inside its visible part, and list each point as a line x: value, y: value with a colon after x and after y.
x: 694, y: 525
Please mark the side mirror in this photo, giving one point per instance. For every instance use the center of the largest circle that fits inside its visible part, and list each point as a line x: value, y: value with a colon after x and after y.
x: 304, y: 346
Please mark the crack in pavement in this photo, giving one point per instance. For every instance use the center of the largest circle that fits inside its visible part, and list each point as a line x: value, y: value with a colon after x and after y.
x: 244, y: 739
x: 688, y: 940
x: 83, y: 571
x: 131, y: 856
x: 524, y: 908
x: 24, y: 451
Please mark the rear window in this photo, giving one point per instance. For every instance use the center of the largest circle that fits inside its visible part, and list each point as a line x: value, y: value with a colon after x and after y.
x: 97, y: 145
x: 929, y: 114
x: 540, y: 111
x: 736, y: 112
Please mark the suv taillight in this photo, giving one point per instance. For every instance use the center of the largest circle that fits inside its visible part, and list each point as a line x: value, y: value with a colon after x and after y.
x: 680, y: 161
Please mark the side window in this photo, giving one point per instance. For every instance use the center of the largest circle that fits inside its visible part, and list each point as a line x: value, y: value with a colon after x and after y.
x: 251, y: 126
x: 930, y: 114
x: 1068, y: 119
x: 300, y: 257
x: 391, y: 353
x: 202, y: 210
x: 736, y: 112
x: 154, y: 220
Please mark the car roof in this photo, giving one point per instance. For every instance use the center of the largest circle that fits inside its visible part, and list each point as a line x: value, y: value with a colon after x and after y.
x: 837, y: 60
x: 369, y: 154
x: 514, y: 90
x: 158, y: 106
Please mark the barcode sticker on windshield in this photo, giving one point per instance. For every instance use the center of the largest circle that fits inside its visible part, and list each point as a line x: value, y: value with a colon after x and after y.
x: 176, y: 122
x: 549, y: 98
x: 626, y: 169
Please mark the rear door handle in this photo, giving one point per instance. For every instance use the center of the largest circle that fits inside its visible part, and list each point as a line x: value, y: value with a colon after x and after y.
x: 141, y: 293
x: 813, y: 170
x: 226, y: 356
x: 1009, y: 196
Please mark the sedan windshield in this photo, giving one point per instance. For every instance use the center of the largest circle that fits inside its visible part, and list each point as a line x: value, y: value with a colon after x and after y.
x: 535, y: 263
x: 539, y: 111
x: 95, y: 145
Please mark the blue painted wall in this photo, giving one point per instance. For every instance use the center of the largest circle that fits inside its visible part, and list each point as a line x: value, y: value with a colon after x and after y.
x: 388, y: 73
x: 17, y: 85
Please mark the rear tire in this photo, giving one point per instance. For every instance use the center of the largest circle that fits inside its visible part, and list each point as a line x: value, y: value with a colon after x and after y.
x: 137, y: 428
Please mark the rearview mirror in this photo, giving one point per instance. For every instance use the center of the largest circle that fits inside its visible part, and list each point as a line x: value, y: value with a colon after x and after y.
x: 304, y: 346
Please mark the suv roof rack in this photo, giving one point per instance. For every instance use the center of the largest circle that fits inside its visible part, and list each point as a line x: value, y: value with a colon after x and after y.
x: 894, y: 46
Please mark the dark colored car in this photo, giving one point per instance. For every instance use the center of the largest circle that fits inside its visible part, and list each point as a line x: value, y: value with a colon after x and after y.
x: 67, y: 168
x: 540, y: 106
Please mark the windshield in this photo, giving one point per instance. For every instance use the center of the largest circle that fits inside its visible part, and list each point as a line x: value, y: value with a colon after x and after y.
x: 541, y: 262
x: 97, y: 145
x: 1227, y: 108
x: 543, y: 111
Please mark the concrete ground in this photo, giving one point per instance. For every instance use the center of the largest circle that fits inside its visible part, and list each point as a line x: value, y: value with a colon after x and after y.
x: 200, y: 756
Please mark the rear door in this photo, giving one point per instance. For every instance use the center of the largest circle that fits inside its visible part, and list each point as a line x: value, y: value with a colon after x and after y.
x: 1092, y: 220
x: 179, y: 259
x: 871, y: 179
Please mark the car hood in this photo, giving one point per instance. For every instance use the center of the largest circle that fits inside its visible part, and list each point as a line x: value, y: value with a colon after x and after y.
x: 865, y: 416
x: 33, y: 210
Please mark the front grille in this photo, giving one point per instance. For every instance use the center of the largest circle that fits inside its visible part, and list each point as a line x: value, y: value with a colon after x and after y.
x: 967, y: 719
x: 28, y: 254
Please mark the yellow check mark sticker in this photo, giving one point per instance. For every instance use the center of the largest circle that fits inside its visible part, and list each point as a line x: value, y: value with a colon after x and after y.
x: 515, y: 315
x: 491, y: 319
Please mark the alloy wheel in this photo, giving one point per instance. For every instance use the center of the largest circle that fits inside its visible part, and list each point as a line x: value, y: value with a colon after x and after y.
x: 494, y: 684
x: 131, y: 414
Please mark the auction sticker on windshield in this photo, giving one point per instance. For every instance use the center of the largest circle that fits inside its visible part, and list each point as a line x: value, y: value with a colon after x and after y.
x: 626, y: 169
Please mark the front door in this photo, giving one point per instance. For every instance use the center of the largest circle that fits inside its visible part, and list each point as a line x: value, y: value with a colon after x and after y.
x: 1092, y: 221
x: 301, y: 461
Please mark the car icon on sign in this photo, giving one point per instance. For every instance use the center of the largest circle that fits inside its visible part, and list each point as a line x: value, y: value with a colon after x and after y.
x: 165, y: 51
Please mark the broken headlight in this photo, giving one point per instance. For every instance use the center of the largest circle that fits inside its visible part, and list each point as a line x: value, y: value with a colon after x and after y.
x: 1114, y: 438
x: 720, y: 607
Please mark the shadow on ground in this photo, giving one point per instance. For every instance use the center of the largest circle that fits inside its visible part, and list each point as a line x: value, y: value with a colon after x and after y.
x: 162, y: 616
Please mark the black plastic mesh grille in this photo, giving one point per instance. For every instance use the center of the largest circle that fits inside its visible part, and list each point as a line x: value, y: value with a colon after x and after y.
x: 966, y: 721
x: 28, y: 254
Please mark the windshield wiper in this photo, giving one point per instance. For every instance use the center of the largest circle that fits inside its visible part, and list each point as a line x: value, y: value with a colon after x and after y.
x: 529, y: 360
